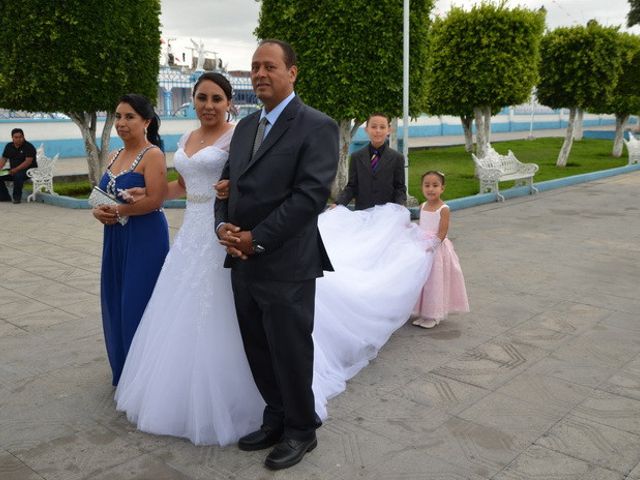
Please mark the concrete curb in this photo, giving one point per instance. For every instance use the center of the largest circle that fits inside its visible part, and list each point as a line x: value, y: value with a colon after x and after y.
x: 456, y: 204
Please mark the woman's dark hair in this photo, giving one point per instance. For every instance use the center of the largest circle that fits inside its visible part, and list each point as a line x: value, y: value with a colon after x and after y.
x: 433, y: 172
x: 144, y: 108
x: 216, y: 78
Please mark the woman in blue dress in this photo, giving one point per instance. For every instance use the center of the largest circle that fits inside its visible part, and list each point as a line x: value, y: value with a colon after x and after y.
x: 133, y: 251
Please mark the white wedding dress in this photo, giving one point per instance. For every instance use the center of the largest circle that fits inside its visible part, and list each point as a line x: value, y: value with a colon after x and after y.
x: 186, y: 373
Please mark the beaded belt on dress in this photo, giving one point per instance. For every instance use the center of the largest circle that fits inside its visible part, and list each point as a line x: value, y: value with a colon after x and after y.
x: 199, y: 197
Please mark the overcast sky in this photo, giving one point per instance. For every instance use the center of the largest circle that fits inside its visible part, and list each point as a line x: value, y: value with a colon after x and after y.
x: 226, y: 26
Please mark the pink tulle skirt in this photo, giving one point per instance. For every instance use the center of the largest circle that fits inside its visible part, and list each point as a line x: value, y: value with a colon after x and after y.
x: 444, y: 291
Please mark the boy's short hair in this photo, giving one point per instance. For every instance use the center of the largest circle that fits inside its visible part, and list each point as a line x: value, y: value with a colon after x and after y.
x: 17, y: 130
x: 378, y: 114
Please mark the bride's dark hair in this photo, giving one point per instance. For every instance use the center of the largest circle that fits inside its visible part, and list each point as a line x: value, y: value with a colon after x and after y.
x: 216, y: 78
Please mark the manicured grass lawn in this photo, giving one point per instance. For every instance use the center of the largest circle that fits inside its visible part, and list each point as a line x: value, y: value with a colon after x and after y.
x: 588, y: 155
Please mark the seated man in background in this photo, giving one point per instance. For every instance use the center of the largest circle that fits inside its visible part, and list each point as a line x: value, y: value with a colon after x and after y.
x: 22, y: 156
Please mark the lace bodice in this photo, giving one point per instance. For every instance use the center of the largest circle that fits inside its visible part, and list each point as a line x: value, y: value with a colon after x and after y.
x: 201, y: 170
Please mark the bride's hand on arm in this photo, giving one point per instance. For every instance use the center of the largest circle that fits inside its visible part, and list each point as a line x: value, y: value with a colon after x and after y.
x: 176, y: 189
x: 132, y: 195
x: 222, y: 189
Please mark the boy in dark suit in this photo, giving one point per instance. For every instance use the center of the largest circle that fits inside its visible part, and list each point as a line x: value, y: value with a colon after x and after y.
x: 376, y: 172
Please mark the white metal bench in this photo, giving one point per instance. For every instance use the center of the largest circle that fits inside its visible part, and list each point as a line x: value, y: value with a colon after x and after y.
x: 494, y: 168
x: 42, y: 175
x: 633, y: 148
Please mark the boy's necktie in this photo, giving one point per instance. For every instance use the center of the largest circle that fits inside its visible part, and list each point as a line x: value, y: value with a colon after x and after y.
x: 375, y: 159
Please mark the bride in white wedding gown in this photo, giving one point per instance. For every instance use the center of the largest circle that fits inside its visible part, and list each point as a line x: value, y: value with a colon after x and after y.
x: 186, y: 373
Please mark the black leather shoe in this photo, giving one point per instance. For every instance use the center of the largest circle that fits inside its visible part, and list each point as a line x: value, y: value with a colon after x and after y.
x: 289, y: 452
x: 17, y: 201
x: 264, y: 438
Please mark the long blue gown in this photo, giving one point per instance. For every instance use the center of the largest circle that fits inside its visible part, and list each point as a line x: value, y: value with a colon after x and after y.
x: 132, y: 257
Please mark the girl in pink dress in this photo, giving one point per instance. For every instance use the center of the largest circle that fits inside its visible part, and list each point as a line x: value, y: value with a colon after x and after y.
x: 444, y: 292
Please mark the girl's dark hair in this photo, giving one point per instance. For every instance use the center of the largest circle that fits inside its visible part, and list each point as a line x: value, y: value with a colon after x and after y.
x: 144, y: 108
x: 433, y: 172
x: 216, y: 78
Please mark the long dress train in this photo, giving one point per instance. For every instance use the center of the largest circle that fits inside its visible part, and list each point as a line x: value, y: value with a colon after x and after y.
x: 187, y: 375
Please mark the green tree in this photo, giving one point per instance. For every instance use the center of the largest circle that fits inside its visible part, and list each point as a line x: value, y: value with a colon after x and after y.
x: 633, y: 17
x: 79, y: 57
x: 625, y: 99
x: 350, y: 58
x: 480, y: 61
x: 579, y: 69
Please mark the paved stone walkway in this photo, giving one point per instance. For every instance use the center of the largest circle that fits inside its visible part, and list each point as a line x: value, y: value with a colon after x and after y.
x: 541, y: 380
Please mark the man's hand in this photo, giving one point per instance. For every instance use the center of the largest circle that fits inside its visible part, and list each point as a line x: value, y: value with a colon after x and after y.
x: 228, y: 234
x: 222, y: 189
x: 239, y: 243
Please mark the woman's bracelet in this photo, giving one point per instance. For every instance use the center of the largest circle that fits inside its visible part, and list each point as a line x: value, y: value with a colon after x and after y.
x: 118, y: 214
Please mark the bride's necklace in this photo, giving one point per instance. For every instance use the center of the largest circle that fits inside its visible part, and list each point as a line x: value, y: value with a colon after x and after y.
x: 204, y: 139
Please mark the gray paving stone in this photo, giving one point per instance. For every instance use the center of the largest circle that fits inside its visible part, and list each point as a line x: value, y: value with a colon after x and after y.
x: 610, y: 409
x: 79, y: 455
x: 594, y: 443
x: 546, y: 391
x: 544, y: 464
x: 522, y: 419
x: 480, y: 449
x: 491, y: 364
x: 11, y: 468
x: 144, y: 467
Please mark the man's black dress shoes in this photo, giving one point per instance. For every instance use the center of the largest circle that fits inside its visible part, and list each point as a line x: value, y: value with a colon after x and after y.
x: 289, y: 452
x: 265, y: 437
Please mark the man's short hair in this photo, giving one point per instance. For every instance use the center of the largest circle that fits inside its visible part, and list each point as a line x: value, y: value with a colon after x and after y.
x: 17, y: 130
x: 290, y: 57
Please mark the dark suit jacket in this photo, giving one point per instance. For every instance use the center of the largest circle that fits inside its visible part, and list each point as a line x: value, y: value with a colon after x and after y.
x: 368, y: 188
x: 278, y: 193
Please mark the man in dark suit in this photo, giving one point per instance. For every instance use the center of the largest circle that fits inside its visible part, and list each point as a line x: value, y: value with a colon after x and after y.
x: 282, y: 161
x: 376, y: 172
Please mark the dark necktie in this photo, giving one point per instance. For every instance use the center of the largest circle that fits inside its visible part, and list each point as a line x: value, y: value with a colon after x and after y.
x: 375, y: 160
x: 259, y: 135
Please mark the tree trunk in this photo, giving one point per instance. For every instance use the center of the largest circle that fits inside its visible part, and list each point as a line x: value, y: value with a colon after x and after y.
x: 568, y: 140
x: 481, y: 132
x: 487, y: 123
x: 393, y: 136
x: 577, y: 132
x: 348, y: 129
x: 96, y: 155
x: 467, y: 124
x: 621, y: 123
